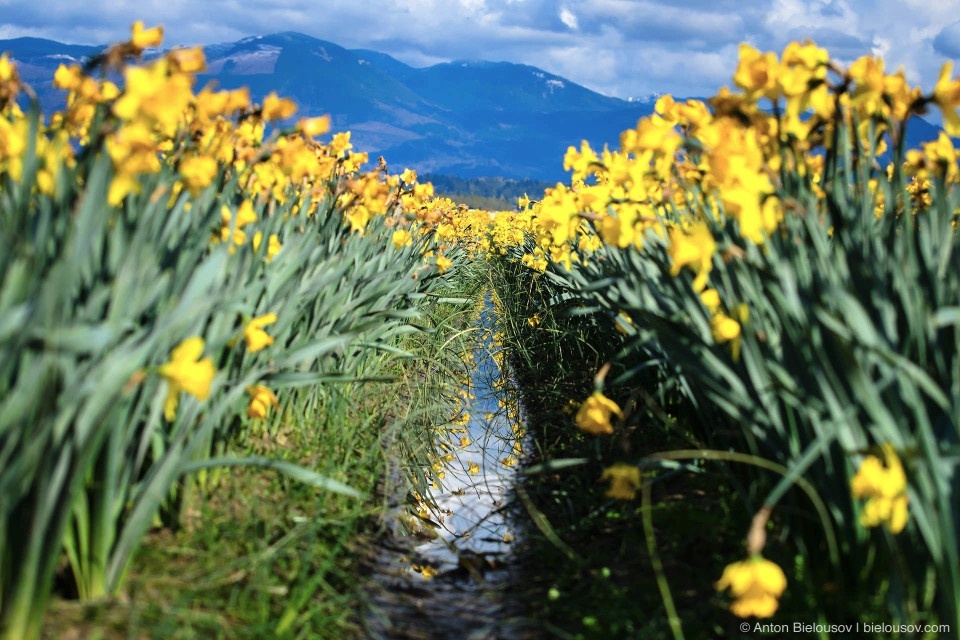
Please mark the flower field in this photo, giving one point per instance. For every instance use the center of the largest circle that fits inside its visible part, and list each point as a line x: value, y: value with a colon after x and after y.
x: 770, y: 272
x: 777, y: 262
x: 171, y: 277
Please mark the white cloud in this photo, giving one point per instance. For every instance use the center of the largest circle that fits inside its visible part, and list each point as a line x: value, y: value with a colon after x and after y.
x: 619, y: 47
x: 793, y: 15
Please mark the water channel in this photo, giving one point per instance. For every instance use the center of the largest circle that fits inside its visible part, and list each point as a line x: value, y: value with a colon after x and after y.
x: 444, y: 570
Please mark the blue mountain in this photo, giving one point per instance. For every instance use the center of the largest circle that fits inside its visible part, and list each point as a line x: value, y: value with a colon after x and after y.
x: 466, y: 118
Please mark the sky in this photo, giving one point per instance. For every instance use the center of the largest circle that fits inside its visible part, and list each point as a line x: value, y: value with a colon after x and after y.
x: 623, y: 48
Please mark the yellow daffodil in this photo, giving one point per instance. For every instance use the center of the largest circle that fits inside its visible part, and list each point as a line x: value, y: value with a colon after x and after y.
x: 883, y: 484
x: 694, y: 248
x: 188, y: 373
x: 724, y: 328
x: 254, y: 335
x: 358, y: 216
x: 261, y: 401
x: 354, y: 161
x: 188, y: 60
x: 273, y: 245
x: 757, y: 72
x: 443, y: 263
x: 711, y: 300
x: 277, y: 108
x: 595, y: 413
x: 756, y: 584
x: 198, y: 172
x: 624, y: 481
x: 728, y: 329
x: 581, y: 162
x: 154, y: 94
x: 313, y: 127
x: 340, y: 143
x: 425, y: 570
x: 946, y: 95
x: 142, y: 38
x: 245, y: 215
x: 402, y: 238
x: 8, y: 71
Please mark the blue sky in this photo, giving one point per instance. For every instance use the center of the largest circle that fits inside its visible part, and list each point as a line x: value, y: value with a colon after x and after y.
x: 617, y: 47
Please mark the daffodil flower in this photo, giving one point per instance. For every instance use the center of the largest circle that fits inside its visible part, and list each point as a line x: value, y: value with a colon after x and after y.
x: 142, y: 38
x: 261, y: 401
x: 402, y: 238
x: 198, y: 172
x: 443, y: 263
x: 693, y: 247
x: 254, y: 335
x: 595, y: 413
x: 624, y: 481
x: 756, y: 585
x: 884, y: 484
x: 273, y: 245
x: 188, y: 373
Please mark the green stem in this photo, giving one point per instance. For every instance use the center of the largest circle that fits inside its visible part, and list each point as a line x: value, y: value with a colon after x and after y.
x: 544, y: 526
x: 657, y: 564
x: 779, y: 490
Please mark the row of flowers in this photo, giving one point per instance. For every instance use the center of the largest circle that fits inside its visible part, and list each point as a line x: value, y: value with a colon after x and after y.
x: 780, y: 249
x: 181, y: 257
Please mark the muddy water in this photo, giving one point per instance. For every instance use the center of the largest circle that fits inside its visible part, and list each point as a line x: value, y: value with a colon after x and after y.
x: 444, y: 570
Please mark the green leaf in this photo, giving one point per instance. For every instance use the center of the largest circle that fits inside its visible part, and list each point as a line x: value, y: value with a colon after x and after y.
x: 79, y: 339
x: 554, y: 465
x: 945, y: 317
x: 13, y: 321
x: 295, y: 471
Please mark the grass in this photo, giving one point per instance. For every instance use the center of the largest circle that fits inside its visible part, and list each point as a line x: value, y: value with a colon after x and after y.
x: 260, y: 554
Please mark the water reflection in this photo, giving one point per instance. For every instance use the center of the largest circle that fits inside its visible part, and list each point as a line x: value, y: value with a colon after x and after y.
x: 447, y: 567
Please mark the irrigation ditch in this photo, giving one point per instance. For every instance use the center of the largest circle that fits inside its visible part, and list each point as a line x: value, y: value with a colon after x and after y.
x: 443, y: 566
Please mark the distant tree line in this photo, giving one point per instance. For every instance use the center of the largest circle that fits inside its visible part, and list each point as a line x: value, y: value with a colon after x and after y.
x: 505, y: 189
x: 480, y: 202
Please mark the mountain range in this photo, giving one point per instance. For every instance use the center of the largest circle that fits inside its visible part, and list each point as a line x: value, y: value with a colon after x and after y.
x: 463, y: 118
